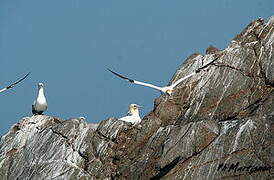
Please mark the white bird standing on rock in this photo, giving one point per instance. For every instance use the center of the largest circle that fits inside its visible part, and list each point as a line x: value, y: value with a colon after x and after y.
x: 40, y: 104
x: 134, y: 117
x: 13, y: 84
x: 166, y: 89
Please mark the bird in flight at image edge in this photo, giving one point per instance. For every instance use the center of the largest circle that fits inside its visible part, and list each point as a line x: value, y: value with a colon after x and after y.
x: 166, y: 89
x: 13, y: 84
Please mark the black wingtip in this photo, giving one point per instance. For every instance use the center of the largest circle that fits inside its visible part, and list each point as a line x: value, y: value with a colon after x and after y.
x: 21, y: 79
x: 113, y: 72
x: 110, y: 70
x: 205, y: 66
x: 13, y: 84
x: 26, y: 75
x: 121, y: 76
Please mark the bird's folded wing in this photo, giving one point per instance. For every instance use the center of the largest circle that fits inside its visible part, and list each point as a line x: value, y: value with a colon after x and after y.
x: 13, y: 84
x: 126, y: 119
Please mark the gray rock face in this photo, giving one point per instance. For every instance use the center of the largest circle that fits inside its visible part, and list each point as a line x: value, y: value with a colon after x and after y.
x: 219, y: 124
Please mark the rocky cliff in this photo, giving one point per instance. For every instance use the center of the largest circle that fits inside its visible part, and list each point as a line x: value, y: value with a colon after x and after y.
x: 218, y: 124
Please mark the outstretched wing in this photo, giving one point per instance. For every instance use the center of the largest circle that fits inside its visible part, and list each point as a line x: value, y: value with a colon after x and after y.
x: 211, y: 62
x: 197, y: 71
x: 13, y: 84
x: 180, y: 80
x: 136, y: 82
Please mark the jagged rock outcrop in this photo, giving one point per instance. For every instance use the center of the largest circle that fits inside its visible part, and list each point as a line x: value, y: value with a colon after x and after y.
x: 218, y: 124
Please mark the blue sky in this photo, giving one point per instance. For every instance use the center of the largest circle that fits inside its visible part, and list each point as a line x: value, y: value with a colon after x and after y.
x: 68, y: 44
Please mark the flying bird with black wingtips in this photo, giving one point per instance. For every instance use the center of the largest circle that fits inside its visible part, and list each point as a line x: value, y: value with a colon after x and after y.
x: 166, y: 89
x: 13, y: 84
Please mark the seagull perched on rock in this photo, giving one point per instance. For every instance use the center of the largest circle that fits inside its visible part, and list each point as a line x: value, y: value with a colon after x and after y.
x: 166, y: 89
x: 40, y: 104
x: 133, y: 111
x: 13, y: 84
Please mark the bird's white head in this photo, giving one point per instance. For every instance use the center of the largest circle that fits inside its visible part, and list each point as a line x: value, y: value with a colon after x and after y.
x: 133, y: 109
x: 40, y: 85
x: 167, y: 90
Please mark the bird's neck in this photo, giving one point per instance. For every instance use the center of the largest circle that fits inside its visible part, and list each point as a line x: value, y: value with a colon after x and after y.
x: 134, y: 112
x: 41, y: 93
